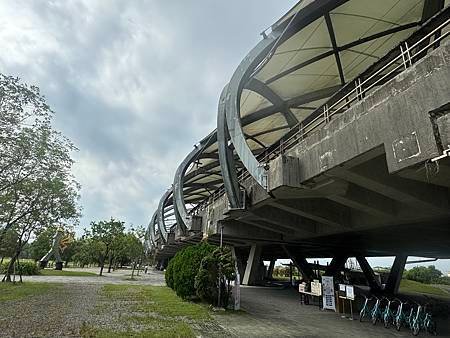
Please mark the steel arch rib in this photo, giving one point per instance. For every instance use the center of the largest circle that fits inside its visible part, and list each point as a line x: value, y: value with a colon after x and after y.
x: 160, y: 215
x: 242, y: 74
x: 179, y: 204
x: 226, y: 158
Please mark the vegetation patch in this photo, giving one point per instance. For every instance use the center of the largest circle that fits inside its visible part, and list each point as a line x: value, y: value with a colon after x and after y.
x: 413, y: 286
x: 68, y: 273
x: 146, y: 311
x: 15, y: 291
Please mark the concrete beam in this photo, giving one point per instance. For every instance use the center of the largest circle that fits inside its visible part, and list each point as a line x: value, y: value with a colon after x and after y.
x: 319, y: 210
x: 337, y: 264
x: 395, y: 275
x: 286, y: 219
x: 368, y: 273
x: 262, y: 223
x: 300, y: 262
x: 374, y: 176
x: 252, y: 267
x: 366, y: 201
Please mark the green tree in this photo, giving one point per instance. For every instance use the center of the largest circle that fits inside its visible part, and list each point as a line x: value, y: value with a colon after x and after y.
x: 107, y: 234
x: 423, y: 274
x: 37, y: 188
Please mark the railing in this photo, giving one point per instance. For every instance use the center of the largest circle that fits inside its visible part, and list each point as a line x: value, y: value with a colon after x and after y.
x: 407, y: 56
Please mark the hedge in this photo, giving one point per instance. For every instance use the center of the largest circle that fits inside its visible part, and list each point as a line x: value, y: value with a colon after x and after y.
x: 25, y: 268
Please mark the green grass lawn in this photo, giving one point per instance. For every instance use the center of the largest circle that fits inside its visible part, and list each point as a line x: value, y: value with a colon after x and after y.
x: 412, y: 286
x: 10, y: 291
x: 52, y: 272
x: 155, y: 310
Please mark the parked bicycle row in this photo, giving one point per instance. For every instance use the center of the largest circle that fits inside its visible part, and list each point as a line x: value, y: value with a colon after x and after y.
x: 399, y: 314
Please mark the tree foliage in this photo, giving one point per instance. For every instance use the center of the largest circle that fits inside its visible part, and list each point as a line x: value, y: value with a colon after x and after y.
x: 37, y: 188
x: 423, y: 274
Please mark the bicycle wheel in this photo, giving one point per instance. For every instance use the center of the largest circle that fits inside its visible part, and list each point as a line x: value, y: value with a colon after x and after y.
x: 431, y: 328
x: 398, y: 324
x: 374, y: 319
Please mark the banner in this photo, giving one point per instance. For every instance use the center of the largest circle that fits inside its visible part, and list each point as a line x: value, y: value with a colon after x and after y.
x: 328, y: 293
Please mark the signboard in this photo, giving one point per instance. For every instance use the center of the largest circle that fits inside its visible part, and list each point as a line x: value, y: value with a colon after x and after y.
x: 316, y: 288
x: 328, y: 293
x: 301, y: 287
x: 349, y: 292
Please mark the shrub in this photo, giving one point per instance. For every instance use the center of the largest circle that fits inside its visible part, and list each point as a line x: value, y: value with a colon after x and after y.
x: 207, y: 282
x: 184, y: 268
x: 25, y: 268
x: 169, y: 273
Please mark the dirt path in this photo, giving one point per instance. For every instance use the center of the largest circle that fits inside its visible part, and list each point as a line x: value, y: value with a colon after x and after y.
x: 115, y: 277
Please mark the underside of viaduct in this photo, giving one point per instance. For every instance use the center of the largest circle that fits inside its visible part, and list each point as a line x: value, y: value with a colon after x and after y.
x: 331, y: 141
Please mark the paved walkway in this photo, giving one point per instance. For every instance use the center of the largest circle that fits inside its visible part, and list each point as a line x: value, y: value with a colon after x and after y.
x: 276, y: 312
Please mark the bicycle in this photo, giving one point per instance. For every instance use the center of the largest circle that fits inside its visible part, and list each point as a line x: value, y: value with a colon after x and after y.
x: 423, y: 321
x: 365, y: 311
x: 388, y: 314
x: 377, y: 311
x: 400, y: 318
x: 429, y: 324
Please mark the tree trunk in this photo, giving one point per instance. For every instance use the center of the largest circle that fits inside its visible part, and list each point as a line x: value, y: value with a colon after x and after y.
x: 10, y: 269
x: 132, y: 272
x: 102, y: 264
x: 110, y: 262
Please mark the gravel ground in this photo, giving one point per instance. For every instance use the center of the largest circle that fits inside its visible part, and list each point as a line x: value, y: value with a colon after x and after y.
x: 74, y: 302
x: 58, y: 314
x: 115, y: 277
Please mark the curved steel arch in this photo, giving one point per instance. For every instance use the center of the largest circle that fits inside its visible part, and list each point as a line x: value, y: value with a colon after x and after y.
x: 226, y: 157
x: 255, y: 58
x: 160, y: 217
x: 181, y: 213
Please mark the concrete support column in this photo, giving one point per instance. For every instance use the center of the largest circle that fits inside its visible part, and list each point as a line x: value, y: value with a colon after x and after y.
x: 270, y: 271
x: 336, y: 265
x: 301, y: 263
x: 395, y: 275
x: 369, y: 274
x: 252, y: 267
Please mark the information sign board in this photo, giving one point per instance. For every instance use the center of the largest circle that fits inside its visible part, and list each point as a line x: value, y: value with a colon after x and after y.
x: 328, y: 293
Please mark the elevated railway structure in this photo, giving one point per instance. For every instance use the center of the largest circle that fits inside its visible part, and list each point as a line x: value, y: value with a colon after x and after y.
x: 332, y: 140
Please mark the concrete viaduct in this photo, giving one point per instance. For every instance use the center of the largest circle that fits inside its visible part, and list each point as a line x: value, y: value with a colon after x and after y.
x: 332, y: 140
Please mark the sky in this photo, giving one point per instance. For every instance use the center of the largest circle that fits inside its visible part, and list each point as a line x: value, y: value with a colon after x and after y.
x: 134, y: 84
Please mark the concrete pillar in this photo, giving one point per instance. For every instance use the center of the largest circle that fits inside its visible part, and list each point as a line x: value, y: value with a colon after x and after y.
x: 337, y: 264
x: 252, y: 267
x: 395, y: 275
x: 271, y: 267
x: 368, y: 273
x: 301, y: 263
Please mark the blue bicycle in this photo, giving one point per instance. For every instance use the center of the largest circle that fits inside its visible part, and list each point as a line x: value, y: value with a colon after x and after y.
x: 401, y: 316
x: 423, y: 321
x: 377, y: 311
x: 365, y: 311
x: 388, y: 313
